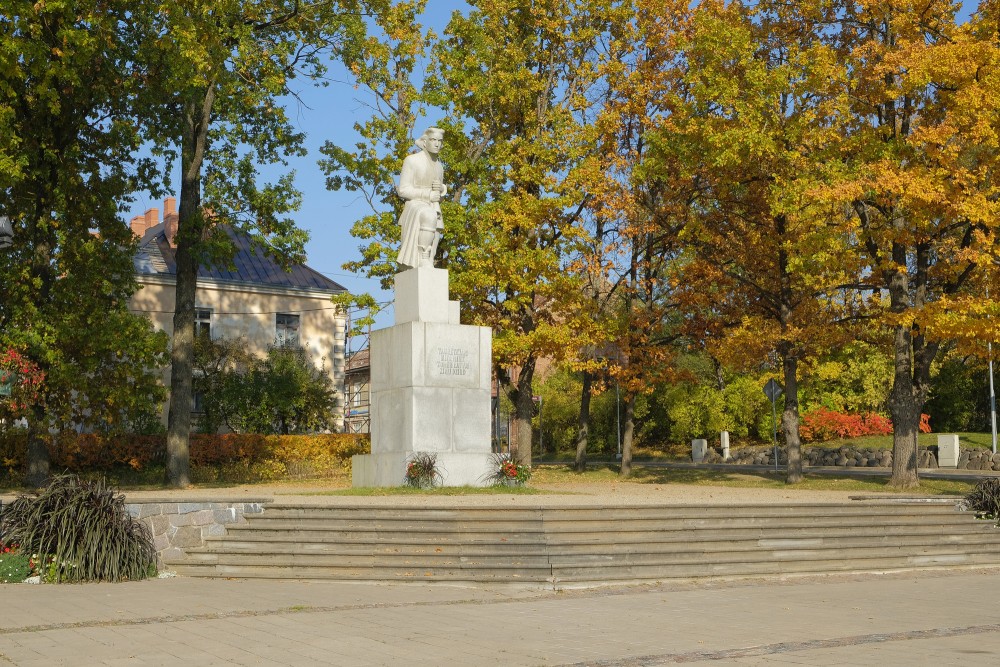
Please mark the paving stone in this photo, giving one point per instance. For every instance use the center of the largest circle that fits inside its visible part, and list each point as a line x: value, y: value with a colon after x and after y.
x: 161, y: 542
x: 187, y: 536
x: 202, y: 517
x: 179, y: 520
x: 150, y: 509
x: 159, y: 524
x: 215, y: 530
x: 227, y: 515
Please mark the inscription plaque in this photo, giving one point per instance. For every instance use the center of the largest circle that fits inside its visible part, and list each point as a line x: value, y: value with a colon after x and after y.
x: 450, y: 361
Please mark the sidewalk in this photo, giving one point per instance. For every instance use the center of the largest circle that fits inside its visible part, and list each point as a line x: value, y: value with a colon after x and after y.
x: 916, y: 618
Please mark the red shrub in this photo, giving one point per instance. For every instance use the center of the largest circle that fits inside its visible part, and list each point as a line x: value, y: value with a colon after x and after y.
x: 823, y: 424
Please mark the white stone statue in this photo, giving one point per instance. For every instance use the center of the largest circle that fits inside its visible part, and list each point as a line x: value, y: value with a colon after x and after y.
x: 421, y: 184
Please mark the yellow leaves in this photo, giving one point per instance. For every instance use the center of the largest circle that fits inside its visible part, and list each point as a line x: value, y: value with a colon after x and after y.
x: 969, y: 320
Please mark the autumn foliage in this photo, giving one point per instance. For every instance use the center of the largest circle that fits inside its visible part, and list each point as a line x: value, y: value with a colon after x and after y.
x: 822, y: 424
x: 25, y: 378
x: 83, y: 452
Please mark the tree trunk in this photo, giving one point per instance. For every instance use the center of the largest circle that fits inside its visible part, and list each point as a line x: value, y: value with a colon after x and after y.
x: 583, y: 425
x: 524, y: 409
x: 790, y: 419
x: 191, y: 224
x: 38, y: 459
x: 905, y: 403
x: 626, y: 470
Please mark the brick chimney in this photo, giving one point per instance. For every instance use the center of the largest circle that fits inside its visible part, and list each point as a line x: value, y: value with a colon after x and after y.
x: 152, y: 217
x: 170, y: 220
x: 138, y: 225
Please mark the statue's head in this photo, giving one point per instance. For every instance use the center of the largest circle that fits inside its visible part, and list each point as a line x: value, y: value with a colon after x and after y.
x: 431, y: 140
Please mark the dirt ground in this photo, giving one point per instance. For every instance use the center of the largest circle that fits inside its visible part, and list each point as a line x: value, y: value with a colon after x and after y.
x: 611, y: 493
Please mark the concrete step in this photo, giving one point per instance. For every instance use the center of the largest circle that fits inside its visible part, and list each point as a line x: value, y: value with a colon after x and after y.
x: 651, y: 546
x: 470, y: 516
x: 586, y: 545
x: 491, y: 562
x: 599, y: 525
x: 614, y: 512
x: 395, y: 575
x: 251, y: 533
x: 567, y: 576
x: 649, y: 573
x: 621, y: 532
x: 713, y: 552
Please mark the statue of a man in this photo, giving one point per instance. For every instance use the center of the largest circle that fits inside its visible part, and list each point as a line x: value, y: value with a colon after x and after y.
x: 421, y: 184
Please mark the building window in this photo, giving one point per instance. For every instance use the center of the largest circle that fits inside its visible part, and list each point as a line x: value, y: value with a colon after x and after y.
x: 203, y: 323
x: 286, y: 330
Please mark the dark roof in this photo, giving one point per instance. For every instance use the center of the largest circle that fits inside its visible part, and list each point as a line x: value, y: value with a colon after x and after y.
x: 249, y: 264
x: 357, y: 361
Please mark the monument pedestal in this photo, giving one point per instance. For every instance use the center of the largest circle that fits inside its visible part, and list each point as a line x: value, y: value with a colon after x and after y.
x: 430, y: 388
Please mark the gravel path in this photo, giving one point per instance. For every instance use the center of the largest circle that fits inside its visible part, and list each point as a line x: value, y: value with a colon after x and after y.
x: 602, y: 493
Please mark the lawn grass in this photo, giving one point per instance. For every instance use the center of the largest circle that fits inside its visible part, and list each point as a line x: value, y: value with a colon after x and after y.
x: 723, y: 478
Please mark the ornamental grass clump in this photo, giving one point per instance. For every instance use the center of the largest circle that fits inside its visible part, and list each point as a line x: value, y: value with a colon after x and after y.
x: 984, y: 500
x: 82, y: 531
x: 422, y: 471
x: 505, y: 471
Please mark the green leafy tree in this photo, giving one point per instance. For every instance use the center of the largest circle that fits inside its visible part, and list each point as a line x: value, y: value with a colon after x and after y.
x: 219, y: 69
x: 68, y: 122
x: 519, y: 82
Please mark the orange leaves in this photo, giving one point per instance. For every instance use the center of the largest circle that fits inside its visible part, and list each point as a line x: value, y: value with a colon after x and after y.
x: 93, y: 452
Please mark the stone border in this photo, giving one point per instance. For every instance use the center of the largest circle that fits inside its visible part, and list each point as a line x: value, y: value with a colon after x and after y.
x: 850, y: 457
x: 177, y: 526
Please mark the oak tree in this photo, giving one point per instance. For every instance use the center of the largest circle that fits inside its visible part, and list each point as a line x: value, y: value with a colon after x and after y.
x: 68, y: 124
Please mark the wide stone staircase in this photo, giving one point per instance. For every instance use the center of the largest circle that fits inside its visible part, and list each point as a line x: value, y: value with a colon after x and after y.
x: 584, y: 546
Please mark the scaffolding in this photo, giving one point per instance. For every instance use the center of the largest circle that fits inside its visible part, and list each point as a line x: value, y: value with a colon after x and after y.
x: 357, y: 376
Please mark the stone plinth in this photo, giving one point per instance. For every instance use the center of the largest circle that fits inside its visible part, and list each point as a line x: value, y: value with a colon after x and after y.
x: 422, y: 296
x: 430, y: 388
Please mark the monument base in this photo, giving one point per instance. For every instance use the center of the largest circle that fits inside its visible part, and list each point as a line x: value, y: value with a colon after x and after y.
x: 430, y: 388
x: 389, y: 469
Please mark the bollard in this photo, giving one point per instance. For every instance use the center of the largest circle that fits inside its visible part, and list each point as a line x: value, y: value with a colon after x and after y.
x: 724, y: 440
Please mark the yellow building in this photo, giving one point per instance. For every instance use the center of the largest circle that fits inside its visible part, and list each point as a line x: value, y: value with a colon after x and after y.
x: 254, y: 298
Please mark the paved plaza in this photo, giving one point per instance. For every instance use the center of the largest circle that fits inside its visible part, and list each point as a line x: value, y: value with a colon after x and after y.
x: 915, y: 618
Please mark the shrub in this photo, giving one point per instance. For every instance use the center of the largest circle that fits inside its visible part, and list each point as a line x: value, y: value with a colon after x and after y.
x: 985, y: 499
x: 81, y: 531
x: 280, y: 393
x: 823, y: 424
x: 137, y: 458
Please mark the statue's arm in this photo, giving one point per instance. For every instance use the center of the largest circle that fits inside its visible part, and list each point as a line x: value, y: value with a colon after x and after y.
x: 408, y: 188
